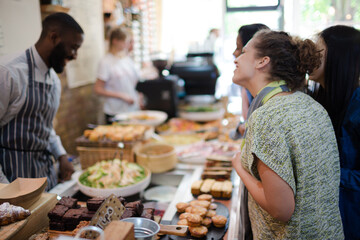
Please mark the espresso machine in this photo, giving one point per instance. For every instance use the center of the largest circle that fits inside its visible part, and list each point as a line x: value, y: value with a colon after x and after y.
x: 163, y: 93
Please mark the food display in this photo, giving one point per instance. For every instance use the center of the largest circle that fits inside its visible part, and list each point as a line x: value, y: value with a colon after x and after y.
x: 218, y: 189
x: 176, y: 125
x: 181, y: 139
x: 10, y: 213
x: 116, y: 133
x: 148, y: 117
x: 199, y: 151
x: 112, y: 174
x: 200, y: 216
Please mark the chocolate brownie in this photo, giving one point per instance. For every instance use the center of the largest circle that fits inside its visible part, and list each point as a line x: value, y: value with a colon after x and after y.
x: 93, y: 204
x: 122, y: 200
x: 87, y: 215
x: 73, y: 216
x: 68, y: 202
x: 129, y: 212
x: 148, y: 213
x: 57, y: 212
x: 55, y: 225
x: 137, y: 206
x: 70, y: 226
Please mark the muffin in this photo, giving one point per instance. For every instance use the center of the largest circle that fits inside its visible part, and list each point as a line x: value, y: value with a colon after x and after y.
x: 204, y: 204
x: 181, y: 206
x: 206, y: 222
x: 219, y: 221
x: 205, y: 197
x: 210, y: 213
x: 198, y: 232
x: 194, y: 220
x: 182, y: 222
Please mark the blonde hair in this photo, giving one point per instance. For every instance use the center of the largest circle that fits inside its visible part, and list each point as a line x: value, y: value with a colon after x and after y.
x: 117, y: 33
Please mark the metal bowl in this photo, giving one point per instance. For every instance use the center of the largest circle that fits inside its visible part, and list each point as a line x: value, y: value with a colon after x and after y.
x: 144, y: 228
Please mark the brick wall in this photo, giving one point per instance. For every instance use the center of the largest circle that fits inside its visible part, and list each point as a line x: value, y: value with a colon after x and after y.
x: 78, y: 107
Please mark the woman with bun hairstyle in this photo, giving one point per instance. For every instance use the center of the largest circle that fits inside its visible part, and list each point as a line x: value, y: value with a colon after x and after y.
x: 117, y: 76
x: 339, y: 93
x: 289, y: 162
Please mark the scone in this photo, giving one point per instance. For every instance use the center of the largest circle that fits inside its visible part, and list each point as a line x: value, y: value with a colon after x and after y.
x: 181, y: 206
x: 184, y: 215
x: 194, y: 220
x: 183, y: 222
x: 205, y: 197
x: 206, y: 222
x: 219, y: 221
x: 198, y: 232
x: 195, y: 187
x: 198, y: 210
x: 210, y: 213
x: 204, y: 204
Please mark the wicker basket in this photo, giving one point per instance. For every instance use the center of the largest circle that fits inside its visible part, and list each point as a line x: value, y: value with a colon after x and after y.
x: 90, y: 155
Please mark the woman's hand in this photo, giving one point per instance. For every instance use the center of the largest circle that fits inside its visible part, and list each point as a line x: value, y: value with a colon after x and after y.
x: 236, y: 163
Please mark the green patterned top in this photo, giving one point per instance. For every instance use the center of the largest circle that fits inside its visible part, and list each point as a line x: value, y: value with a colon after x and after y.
x: 293, y: 136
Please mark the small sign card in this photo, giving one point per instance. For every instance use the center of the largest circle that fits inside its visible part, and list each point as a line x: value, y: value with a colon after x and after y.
x: 111, y: 209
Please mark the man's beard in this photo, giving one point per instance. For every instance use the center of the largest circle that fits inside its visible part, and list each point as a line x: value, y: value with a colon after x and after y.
x: 57, y: 58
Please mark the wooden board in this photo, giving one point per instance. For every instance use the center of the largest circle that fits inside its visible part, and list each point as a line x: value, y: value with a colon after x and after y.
x: 214, y: 232
x: 37, y: 220
x: 9, y: 230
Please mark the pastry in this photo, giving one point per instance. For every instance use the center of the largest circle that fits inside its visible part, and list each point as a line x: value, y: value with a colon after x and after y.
x: 68, y: 202
x: 204, y: 204
x: 194, y: 220
x: 227, y: 189
x: 206, y: 222
x: 205, y: 197
x: 213, y: 206
x: 57, y: 212
x: 10, y: 213
x: 198, y: 232
x: 195, y: 187
x: 219, y: 221
x: 93, y: 204
x: 183, y: 222
x: 206, y: 186
x: 184, y: 215
x: 210, y: 213
x: 198, y: 210
x: 181, y: 206
x: 216, y: 189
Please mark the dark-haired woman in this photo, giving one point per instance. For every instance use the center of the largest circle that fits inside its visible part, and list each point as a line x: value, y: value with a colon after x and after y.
x: 290, y: 161
x: 117, y: 77
x: 339, y: 93
x: 245, y: 33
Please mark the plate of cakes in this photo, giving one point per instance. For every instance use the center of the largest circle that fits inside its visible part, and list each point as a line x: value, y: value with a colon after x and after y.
x: 206, y: 219
x: 118, y: 177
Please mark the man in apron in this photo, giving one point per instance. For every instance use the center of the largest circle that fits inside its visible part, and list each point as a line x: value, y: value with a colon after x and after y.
x: 29, y: 99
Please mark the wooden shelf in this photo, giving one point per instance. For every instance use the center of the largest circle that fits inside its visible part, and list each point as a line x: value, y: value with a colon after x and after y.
x: 50, y: 8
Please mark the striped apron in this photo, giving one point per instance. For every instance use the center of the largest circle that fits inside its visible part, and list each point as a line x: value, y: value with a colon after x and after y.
x: 24, y: 140
x: 260, y: 99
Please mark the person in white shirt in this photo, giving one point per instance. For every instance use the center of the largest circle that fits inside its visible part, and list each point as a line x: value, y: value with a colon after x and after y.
x: 29, y: 99
x: 117, y: 77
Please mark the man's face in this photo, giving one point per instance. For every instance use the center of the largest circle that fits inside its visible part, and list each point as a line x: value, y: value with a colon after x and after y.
x: 65, y: 50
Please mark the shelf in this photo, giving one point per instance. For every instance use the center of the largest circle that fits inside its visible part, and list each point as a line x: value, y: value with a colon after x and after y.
x: 50, y: 8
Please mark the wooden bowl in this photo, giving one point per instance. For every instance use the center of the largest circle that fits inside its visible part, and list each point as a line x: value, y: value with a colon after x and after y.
x: 23, y: 191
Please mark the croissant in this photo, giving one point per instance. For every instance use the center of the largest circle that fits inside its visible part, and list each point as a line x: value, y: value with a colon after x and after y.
x: 10, y: 213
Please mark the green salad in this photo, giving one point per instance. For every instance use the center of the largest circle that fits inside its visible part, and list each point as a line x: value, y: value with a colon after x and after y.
x: 201, y: 109
x: 112, y: 174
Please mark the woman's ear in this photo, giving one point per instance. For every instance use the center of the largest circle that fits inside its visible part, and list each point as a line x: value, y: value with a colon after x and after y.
x: 263, y: 62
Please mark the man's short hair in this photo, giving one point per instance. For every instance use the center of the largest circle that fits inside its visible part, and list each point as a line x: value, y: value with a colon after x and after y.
x: 61, y: 22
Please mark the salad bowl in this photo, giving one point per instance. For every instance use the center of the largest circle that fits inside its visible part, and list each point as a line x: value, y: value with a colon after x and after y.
x: 104, y: 191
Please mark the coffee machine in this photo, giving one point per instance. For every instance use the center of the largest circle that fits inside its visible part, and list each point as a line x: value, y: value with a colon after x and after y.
x: 162, y: 93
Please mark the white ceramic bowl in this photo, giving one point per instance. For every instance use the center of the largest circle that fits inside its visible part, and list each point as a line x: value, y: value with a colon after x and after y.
x: 160, y: 193
x: 203, y: 116
x: 128, y: 118
x: 122, y: 191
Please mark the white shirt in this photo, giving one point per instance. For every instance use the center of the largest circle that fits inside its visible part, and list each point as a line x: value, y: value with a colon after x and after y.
x: 14, y: 84
x: 119, y: 75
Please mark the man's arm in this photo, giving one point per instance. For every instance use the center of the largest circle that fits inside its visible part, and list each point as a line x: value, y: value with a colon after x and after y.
x: 57, y: 149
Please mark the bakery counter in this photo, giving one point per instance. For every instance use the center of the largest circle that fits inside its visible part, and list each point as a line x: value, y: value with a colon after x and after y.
x: 181, y: 177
